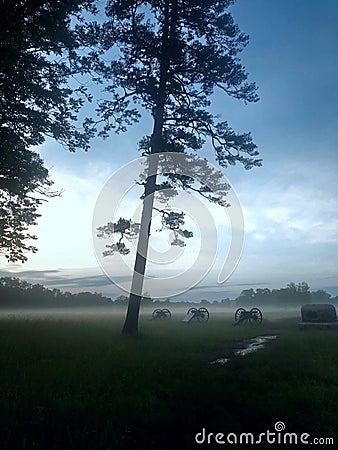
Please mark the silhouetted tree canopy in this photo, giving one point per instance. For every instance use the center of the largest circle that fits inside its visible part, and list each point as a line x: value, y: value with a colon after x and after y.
x: 38, y: 54
x: 38, y: 46
x: 23, y: 183
x: 170, y: 58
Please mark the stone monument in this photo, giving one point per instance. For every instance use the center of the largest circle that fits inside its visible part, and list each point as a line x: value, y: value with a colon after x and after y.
x: 318, y: 316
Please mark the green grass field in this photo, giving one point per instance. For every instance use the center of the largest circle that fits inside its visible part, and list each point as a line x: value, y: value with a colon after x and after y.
x: 72, y: 381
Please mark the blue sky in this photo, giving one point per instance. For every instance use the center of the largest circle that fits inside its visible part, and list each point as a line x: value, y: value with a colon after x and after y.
x: 290, y: 204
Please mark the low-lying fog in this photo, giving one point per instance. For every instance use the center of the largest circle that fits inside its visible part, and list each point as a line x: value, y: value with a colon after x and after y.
x: 178, y: 312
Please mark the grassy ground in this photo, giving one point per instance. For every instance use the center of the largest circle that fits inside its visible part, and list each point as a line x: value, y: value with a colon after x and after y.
x: 77, y: 383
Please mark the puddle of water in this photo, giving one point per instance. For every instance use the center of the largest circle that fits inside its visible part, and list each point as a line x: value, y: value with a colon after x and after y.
x: 252, y: 345
x: 220, y: 361
x: 246, y: 347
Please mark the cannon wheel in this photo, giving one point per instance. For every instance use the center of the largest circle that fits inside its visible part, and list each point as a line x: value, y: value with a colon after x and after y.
x: 238, y: 314
x: 166, y: 312
x: 157, y: 313
x: 192, y: 310
x: 256, y: 316
x: 202, y: 314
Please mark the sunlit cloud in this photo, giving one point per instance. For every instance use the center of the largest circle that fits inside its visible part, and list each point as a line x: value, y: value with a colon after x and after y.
x: 303, y: 209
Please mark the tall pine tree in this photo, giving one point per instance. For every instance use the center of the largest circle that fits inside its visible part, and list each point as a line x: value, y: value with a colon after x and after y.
x: 170, y: 57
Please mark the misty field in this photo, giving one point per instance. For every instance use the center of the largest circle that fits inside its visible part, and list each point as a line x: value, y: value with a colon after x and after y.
x: 72, y: 381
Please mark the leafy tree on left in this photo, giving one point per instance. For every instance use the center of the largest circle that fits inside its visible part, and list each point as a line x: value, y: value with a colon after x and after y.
x: 39, y: 53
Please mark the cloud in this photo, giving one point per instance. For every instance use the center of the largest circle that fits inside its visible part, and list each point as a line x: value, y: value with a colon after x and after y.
x: 286, y: 206
x: 291, y: 222
x: 64, y: 229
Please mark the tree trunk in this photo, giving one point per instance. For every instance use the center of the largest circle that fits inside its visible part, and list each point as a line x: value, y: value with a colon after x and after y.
x: 131, y: 323
x: 130, y: 326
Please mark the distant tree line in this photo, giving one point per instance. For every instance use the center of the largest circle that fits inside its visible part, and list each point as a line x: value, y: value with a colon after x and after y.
x: 292, y: 295
x: 16, y: 293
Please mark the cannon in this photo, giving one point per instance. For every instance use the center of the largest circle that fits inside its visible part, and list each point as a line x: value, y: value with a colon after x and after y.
x: 201, y: 314
x: 163, y: 313
x: 242, y: 316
